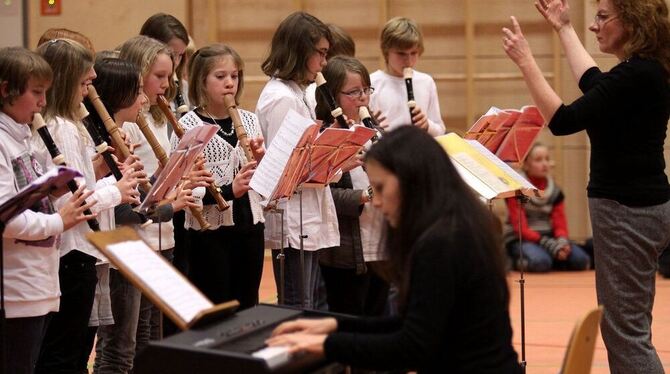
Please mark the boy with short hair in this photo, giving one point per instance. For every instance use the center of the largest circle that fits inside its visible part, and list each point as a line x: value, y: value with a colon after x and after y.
x: 402, y: 45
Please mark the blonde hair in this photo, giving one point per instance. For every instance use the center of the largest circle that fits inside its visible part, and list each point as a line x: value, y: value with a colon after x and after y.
x: 401, y: 33
x: 201, y: 65
x: 143, y: 51
x: 69, y: 61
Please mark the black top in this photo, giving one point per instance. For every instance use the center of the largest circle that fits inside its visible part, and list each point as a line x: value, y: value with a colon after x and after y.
x: 456, y: 319
x: 349, y: 254
x: 242, y: 215
x: 625, y: 113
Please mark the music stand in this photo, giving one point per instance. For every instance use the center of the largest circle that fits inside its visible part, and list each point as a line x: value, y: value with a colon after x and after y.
x: 491, y: 178
x: 54, y: 179
x: 301, y: 156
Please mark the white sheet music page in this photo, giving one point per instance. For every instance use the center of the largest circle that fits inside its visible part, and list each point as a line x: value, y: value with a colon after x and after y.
x: 503, y: 165
x: 270, y: 169
x: 170, y: 286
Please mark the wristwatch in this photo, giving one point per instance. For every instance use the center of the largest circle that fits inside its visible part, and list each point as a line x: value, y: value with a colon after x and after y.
x: 369, y: 193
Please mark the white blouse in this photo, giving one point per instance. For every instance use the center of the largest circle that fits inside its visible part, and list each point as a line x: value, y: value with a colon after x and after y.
x: 159, y: 236
x: 319, y: 219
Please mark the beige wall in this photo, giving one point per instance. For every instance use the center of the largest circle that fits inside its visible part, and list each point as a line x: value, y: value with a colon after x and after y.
x: 248, y: 26
x: 106, y: 23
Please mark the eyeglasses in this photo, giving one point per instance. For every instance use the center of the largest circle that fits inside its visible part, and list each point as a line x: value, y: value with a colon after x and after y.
x: 358, y: 93
x: 323, y: 53
x: 602, y: 19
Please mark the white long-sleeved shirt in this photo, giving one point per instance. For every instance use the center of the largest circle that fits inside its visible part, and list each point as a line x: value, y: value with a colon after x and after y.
x: 391, y: 98
x: 29, y: 241
x: 150, y: 234
x: 319, y: 221
x: 75, y: 145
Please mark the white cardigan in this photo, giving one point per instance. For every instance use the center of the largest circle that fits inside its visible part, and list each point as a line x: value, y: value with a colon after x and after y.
x: 223, y: 161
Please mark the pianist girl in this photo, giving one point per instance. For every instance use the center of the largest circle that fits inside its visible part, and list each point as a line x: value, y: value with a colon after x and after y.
x: 445, y: 258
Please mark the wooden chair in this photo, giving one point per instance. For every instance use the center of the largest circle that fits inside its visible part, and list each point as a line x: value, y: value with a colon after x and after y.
x: 579, y: 354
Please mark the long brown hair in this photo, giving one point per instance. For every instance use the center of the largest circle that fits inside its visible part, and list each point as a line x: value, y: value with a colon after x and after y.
x: 648, y: 28
x: 433, y: 200
x: 293, y: 42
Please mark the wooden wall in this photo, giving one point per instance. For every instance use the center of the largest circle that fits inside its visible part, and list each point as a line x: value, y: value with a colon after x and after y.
x: 463, y: 53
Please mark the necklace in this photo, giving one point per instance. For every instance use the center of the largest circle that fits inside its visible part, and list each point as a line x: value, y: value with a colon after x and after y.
x: 220, y: 130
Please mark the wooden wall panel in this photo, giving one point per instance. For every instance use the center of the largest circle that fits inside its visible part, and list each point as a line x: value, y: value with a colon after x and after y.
x: 107, y: 24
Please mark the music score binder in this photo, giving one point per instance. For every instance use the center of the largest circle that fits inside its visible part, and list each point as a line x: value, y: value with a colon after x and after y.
x: 179, y: 164
x: 158, y: 280
x: 485, y: 173
x: 508, y: 133
x: 301, y: 155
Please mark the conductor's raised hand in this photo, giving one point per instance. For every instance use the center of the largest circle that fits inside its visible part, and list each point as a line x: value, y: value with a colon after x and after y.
x: 307, y: 326
x: 72, y: 212
x: 556, y: 12
x: 242, y: 179
x: 516, y: 45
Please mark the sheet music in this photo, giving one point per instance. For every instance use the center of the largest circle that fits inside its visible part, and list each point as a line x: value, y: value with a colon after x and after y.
x: 506, y: 168
x: 181, y: 161
x: 484, y: 172
x: 39, y: 188
x: 270, y: 169
x: 169, y: 285
x: 475, y: 183
x: 491, y: 180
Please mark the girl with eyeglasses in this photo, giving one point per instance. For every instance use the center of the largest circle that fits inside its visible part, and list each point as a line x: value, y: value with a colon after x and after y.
x: 352, y: 286
x: 625, y: 113
x: 298, y: 51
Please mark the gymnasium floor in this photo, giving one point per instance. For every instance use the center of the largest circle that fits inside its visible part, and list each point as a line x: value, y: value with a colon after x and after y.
x: 554, y: 302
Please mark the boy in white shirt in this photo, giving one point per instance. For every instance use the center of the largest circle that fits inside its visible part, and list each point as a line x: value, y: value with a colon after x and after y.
x: 402, y: 44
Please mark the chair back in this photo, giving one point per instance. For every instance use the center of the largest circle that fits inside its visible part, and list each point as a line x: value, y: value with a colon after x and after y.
x: 579, y: 354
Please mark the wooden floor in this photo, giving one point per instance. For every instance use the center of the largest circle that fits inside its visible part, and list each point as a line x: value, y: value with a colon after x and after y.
x: 554, y: 302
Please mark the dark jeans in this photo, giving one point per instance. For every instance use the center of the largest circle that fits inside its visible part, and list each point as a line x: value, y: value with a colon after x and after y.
x: 292, y: 282
x: 115, y: 349
x: 22, y: 342
x: 227, y: 264
x: 149, y: 321
x: 538, y: 260
x: 181, y: 243
x: 664, y: 263
x: 65, y: 340
x: 357, y: 294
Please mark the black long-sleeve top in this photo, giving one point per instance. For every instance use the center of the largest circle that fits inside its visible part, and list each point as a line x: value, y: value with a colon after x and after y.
x: 456, y: 319
x: 625, y: 113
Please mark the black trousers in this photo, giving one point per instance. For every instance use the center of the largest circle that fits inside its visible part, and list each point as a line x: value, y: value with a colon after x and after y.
x: 65, y: 342
x: 357, y: 294
x: 227, y: 263
x: 23, y: 341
